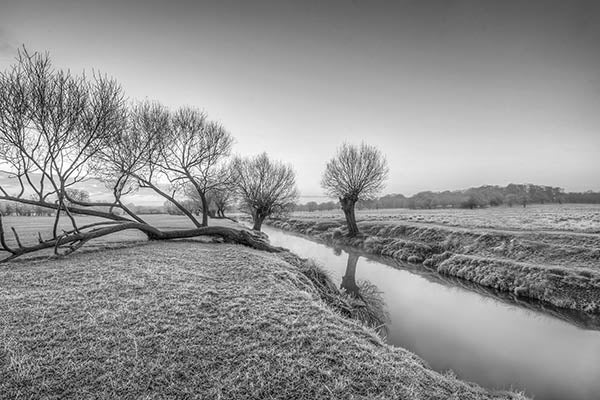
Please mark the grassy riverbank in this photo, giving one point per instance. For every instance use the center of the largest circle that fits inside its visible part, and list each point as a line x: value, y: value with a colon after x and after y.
x: 558, y: 267
x: 193, y: 320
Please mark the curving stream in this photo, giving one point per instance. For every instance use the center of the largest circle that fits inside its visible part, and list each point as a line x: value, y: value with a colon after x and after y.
x: 493, y: 341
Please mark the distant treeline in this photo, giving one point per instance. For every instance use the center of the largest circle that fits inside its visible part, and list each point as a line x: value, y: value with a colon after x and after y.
x: 13, y: 208
x: 479, y: 197
x: 25, y: 210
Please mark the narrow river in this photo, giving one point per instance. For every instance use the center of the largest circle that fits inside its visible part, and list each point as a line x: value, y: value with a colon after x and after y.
x: 483, y: 339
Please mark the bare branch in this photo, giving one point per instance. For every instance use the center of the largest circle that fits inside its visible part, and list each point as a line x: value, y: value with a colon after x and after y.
x: 14, y: 231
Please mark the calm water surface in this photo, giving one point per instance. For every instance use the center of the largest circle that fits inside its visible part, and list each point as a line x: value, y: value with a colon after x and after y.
x: 482, y: 339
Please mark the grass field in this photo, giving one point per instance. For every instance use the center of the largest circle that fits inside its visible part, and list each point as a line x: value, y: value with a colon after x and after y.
x: 549, y: 252
x: 192, y: 320
x: 561, y: 217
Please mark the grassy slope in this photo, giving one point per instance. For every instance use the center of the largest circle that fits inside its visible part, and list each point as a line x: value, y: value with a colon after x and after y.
x: 562, y: 268
x: 182, y: 320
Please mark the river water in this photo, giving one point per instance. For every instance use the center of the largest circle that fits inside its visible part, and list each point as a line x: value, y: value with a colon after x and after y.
x: 483, y: 338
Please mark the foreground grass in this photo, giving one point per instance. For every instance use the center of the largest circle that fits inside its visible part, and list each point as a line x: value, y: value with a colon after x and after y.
x: 192, y: 320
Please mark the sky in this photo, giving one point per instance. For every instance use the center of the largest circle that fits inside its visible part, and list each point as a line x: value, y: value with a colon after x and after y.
x: 455, y: 93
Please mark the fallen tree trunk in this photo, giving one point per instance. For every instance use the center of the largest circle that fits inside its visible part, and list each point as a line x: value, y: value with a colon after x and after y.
x: 231, y: 235
x: 73, y: 240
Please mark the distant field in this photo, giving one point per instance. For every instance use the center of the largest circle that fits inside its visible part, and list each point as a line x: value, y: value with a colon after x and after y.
x: 563, y: 217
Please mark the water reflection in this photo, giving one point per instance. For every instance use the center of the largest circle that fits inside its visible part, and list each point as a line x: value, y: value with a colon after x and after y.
x: 367, y: 300
x: 349, y: 278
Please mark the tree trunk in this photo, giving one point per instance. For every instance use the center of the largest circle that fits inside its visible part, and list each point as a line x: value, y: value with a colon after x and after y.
x: 204, y: 208
x: 258, y: 221
x: 73, y: 240
x: 348, y: 208
x: 349, y: 278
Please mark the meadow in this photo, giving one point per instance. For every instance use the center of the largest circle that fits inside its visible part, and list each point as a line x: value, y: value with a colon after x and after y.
x: 127, y: 318
x: 560, y: 217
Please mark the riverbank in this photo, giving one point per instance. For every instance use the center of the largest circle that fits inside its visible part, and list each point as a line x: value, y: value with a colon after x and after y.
x: 560, y: 268
x: 193, y: 320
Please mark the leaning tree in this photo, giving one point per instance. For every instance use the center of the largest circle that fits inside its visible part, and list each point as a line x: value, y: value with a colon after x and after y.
x: 264, y: 186
x: 58, y: 129
x: 355, y: 173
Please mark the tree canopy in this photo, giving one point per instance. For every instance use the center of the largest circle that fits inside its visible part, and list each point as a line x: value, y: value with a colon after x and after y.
x: 357, y: 172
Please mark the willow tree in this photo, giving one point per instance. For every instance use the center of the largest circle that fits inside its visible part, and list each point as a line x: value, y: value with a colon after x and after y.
x: 265, y: 187
x: 355, y: 173
x: 58, y: 129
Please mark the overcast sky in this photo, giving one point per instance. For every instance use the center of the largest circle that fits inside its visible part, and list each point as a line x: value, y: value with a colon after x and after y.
x: 455, y: 93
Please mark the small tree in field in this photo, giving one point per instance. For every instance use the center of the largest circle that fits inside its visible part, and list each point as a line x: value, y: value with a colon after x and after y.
x: 355, y: 173
x: 223, y: 194
x: 264, y: 186
x: 78, y: 195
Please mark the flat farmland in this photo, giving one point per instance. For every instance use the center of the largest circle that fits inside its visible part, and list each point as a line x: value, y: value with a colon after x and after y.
x: 546, y: 217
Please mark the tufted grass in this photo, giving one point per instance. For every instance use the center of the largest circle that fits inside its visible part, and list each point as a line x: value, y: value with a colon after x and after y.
x: 193, y: 320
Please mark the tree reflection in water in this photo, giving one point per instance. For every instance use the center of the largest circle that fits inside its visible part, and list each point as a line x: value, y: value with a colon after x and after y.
x: 366, y: 298
x: 349, y: 279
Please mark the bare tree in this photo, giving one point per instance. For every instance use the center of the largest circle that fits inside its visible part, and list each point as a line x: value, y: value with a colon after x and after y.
x: 77, y: 195
x: 58, y: 129
x: 222, y: 198
x: 355, y: 173
x: 219, y: 197
x: 194, y: 200
x: 223, y: 194
x: 265, y: 187
x: 52, y: 124
x: 126, y: 161
x: 192, y: 153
